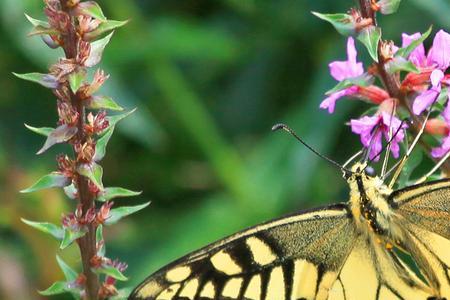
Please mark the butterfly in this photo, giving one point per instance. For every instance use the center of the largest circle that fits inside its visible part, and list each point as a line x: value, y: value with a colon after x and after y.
x: 344, y: 251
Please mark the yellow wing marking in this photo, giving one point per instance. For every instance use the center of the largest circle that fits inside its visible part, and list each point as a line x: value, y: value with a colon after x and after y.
x: 304, y: 281
x: 261, y: 252
x: 224, y: 263
x: 151, y: 288
x: 208, y: 291
x: 178, y: 274
x: 232, y: 288
x: 169, y: 292
x: 276, y: 287
x: 190, y: 289
x: 358, y: 274
x: 336, y: 292
x: 253, y: 290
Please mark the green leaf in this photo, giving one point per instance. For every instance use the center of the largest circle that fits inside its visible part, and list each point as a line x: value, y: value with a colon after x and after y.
x: 70, y: 236
x: 112, y: 272
x: 341, y: 22
x: 363, y: 80
x: 51, y: 180
x: 116, y: 118
x: 370, y: 37
x: 46, y: 227
x: 92, y: 9
x: 99, y: 239
x: 61, y: 134
x: 103, y: 102
x: 443, y: 96
x: 97, y: 49
x: 92, y: 171
x: 113, y: 192
x: 413, y: 162
x: 36, y: 22
x: 118, y: 213
x: 41, y: 30
x: 406, y: 51
x: 69, y: 273
x: 103, y: 28
x: 102, y: 142
x: 76, y: 79
x: 388, y: 6
x: 46, y: 80
x: 56, y: 288
x: 399, y: 63
x: 45, y: 131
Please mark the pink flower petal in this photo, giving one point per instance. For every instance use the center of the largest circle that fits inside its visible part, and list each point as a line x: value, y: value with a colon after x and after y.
x: 351, y: 50
x: 436, y: 77
x: 363, y: 126
x: 350, y: 68
x: 424, y: 100
x: 340, y: 70
x: 330, y: 102
x: 417, y: 56
x: 443, y: 149
x: 376, y: 147
x: 440, y: 52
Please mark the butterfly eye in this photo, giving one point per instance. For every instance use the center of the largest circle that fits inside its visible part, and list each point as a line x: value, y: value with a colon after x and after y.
x: 370, y: 171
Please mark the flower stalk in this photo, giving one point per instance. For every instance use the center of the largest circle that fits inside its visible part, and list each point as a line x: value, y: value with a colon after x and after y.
x: 81, y: 30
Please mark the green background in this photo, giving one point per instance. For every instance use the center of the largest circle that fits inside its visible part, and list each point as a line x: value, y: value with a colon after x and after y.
x: 209, y: 79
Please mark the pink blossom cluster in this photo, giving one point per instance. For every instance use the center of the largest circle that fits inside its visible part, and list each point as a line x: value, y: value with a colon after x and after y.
x: 422, y: 89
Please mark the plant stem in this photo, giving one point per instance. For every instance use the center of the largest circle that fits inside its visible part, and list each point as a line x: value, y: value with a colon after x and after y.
x: 392, y: 84
x: 87, y: 243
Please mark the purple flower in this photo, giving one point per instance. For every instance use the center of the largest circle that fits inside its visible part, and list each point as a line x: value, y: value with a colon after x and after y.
x: 426, y: 98
x: 437, y: 59
x: 371, y: 130
x: 417, y: 56
x: 341, y: 70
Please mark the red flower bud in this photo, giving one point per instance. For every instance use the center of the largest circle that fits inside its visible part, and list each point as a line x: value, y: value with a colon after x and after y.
x: 67, y: 114
x: 86, y: 151
x: 416, y: 82
x: 66, y: 166
x: 84, y: 50
x: 96, y: 124
x: 372, y: 93
x: 358, y: 21
x: 437, y: 127
x: 87, y: 24
x: 104, y: 213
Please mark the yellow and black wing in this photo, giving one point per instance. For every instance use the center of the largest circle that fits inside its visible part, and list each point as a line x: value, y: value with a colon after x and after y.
x: 372, y: 272
x: 425, y: 209
x: 295, y: 257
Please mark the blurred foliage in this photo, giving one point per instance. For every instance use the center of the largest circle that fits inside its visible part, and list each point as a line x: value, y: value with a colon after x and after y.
x: 209, y: 79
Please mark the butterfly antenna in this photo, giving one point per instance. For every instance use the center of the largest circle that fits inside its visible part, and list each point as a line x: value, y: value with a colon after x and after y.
x: 292, y: 132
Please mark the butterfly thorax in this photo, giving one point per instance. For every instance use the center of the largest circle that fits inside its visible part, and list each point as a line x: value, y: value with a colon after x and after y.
x: 369, y: 204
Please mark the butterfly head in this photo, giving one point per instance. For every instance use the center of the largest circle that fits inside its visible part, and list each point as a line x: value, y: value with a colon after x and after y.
x: 358, y: 171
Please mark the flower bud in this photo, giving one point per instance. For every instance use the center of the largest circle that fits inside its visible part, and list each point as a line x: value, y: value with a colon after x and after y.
x: 372, y: 93
x: 67, y: 114
x: 85, y: 151
x: 437, y: 127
